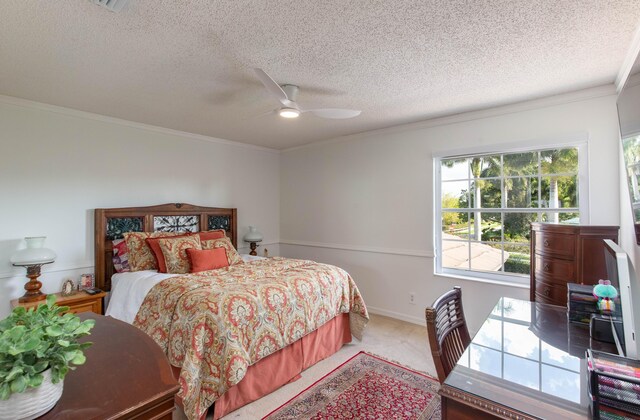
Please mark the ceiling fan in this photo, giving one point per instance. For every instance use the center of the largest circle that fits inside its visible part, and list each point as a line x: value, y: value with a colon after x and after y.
x: 287, y: 94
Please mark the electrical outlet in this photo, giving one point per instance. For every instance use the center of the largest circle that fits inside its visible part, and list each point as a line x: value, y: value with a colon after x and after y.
x: 412, y: 298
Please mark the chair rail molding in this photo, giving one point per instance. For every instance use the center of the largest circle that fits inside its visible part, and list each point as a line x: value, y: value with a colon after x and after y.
x: 359, y: 248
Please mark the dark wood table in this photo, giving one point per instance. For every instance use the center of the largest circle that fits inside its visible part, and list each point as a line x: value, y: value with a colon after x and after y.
x: 526, y: 362
x: 126, y: 376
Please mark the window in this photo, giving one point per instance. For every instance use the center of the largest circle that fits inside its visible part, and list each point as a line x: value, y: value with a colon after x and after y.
x: 486, y: 202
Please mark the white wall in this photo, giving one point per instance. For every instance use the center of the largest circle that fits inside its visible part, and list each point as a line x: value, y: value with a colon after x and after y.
x: 366, y: 202
x: 57, y: 165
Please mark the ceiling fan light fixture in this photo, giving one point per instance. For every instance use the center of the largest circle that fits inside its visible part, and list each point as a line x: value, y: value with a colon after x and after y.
x: 289, y: 113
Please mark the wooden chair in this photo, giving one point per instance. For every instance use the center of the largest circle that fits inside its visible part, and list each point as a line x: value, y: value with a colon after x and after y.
x: 447, y: 329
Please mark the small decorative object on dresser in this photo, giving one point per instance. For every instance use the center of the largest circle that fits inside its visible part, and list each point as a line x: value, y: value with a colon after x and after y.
x: 37, y: 349
x: 86, y: 281
x: 252, y: 237
x: 34, y: 256
x: 68, y: 288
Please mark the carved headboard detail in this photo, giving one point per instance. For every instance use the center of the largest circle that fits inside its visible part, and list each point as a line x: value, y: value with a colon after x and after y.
x: 112, y: 223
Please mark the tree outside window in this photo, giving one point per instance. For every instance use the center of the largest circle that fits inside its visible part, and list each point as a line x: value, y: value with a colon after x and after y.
x: 488, y: 202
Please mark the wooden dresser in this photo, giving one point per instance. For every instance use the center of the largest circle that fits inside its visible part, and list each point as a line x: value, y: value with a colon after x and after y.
x: 78, y: 302
x: 562, y: 254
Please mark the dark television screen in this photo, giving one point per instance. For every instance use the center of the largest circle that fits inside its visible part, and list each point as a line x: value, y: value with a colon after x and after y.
x: 629, y: 118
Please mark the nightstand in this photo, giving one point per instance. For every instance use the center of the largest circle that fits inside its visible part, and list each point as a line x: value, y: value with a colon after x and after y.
x: 77, y: 303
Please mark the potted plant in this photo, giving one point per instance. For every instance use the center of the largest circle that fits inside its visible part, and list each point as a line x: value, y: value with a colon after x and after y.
x: 38, y: 347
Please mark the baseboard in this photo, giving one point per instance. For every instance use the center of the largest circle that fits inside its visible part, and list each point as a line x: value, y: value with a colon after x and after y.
x: 397, y: 315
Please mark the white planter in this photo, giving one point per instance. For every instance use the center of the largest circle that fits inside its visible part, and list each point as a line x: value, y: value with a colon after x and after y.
x: 32, y: 403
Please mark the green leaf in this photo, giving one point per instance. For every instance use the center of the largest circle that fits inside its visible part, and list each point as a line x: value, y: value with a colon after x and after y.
x: 36, y: 380
x: 19, y: 384
x: 70, y: 355
x: 5, y: 391
x: 17, y: 370
x: 86, y: 345
x: 60, y: 309
x: 82, y: 329
x: 16, y: 332
x: 51, y: 300
x: 31, y: 344
x: 53, y: 330
x: 41, y: 366
x: 79, y: 359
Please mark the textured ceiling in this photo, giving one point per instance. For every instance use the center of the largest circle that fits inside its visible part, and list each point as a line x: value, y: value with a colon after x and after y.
x: 186, y: 65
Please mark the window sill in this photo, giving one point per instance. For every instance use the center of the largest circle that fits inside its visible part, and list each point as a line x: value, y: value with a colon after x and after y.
x: 484, y: 280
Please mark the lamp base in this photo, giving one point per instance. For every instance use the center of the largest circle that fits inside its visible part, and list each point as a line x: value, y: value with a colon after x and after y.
x: 253, y: 249
x: 32, y: 287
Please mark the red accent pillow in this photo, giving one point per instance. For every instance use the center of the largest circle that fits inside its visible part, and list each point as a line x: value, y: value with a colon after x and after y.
x: 207, y: 259
x: 154, y: 244
x: 212, y: 234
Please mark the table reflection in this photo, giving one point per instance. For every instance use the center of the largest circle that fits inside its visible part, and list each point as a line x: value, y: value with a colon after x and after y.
x: 509, y: 347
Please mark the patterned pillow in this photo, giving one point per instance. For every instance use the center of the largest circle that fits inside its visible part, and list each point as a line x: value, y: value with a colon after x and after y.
x: 232, y: 255
x: 157, y: 252
x: 140, y: 255
x: 120, y: 256
x: 175, y: 252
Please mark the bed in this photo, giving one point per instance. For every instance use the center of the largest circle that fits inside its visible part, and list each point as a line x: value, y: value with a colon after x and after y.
x: 237, y: 333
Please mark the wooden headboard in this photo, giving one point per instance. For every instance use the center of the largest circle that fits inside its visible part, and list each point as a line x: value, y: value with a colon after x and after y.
x: 111, y: 224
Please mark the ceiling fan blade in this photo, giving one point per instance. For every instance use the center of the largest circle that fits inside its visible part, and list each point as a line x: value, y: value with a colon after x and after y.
x: 334, y: 113
x: 273, y: 87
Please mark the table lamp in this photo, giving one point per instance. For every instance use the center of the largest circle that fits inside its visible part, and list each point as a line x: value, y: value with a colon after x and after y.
x: 252, y: 237
x: 34, y: 256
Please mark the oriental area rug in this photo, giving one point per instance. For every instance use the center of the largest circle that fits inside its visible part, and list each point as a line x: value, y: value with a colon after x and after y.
x: 365, y: 387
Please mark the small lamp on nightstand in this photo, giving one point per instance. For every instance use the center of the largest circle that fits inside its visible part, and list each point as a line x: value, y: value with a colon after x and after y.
x: 252, y: 237
x: 34, y: 256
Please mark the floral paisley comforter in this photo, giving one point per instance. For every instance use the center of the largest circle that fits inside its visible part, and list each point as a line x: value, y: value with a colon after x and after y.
x: 215, y: 324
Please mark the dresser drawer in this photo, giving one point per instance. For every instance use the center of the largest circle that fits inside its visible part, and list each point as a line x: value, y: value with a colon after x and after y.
x: 554, y: 270
x: 84, y: 307
x: 556, y: 244
x: 552, y: 293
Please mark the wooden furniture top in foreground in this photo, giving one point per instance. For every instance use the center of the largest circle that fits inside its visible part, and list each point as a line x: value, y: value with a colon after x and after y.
x: 110, y: 224
x: 78, y: 302
x: 126, y: 376
x: 526, y: 362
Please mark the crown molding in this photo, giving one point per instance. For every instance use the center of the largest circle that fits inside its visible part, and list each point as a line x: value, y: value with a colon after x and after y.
x: 548, y: 101
x: 629, y: 60
x: 26, y: 103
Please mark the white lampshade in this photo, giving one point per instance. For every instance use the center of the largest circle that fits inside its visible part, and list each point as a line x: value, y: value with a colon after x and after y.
x: 34, y: 254
x: 253, y: 235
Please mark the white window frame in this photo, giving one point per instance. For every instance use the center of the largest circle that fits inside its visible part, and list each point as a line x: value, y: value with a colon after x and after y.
x: 580, y: 142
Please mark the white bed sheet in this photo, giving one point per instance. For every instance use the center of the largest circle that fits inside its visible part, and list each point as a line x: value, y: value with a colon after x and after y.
x: 128, y: 290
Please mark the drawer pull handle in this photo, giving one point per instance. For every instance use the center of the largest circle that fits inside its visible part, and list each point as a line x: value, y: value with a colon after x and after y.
x: 546, y: 267
x: 546, y: 242
x: 547, y: 291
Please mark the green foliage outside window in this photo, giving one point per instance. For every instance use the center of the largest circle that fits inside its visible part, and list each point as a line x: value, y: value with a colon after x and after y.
x: 505, y: 193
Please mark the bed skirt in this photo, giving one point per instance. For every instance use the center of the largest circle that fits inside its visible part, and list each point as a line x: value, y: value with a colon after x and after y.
x: 283, y: 366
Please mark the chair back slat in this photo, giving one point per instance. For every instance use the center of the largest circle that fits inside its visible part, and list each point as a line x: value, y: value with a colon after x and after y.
x: 448, y: 333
